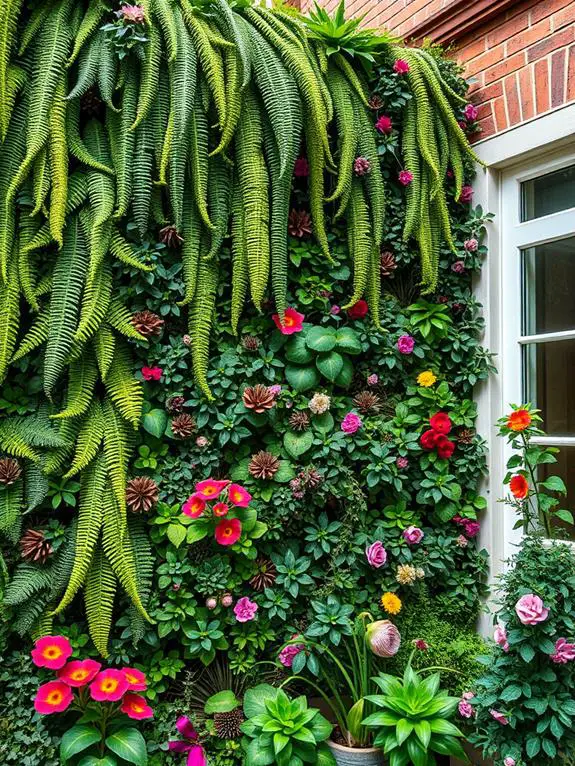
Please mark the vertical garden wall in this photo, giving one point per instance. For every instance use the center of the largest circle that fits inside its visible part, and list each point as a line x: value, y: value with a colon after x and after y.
x: 236, y: 244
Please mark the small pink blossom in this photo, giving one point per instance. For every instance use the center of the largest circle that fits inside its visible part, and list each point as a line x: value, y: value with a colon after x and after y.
x: 413, y: 535
x: 421, y: 645
x: 376, y: 554
x: 509, y: 761
x: 471, y: 245
x: 458, y: 267
x: 351, y: 423
x: 462, y: 541
x: 405, y: 344
x: 401, y: 66
x: 335, y: 310
x: 564, y: 652
x: 227, y: 600
x: 373, y: 379
x: 201, y: 441
x: 289, y: 653
x: 470, y: 112
x: 134, y: 14
x: 405, y: 177
x: 531, y: 610
x: 466, y: 194
x: 211, y: 602
x: 151, y: 373
x: 465, y: 709
x: 500, y: 637
x: 275, y: 390
x: 499, y: 717
x: 245, y: 610
x: 402, y: 462
x: 467, y: 696
x: 384, y: 124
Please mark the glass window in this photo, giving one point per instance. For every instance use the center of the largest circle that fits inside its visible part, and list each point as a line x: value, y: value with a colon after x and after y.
x: 549, y: 287
x: 548, y: 194
x: 549, y: 371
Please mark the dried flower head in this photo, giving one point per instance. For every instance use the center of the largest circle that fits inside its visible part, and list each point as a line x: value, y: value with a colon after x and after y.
x: 227, y: 725
x: 10, y: 470
x: 263, y: 465
x: 183, y: 426
x: 147, y: 323
x: 387, y: 264
x: 406, y: 574
x: 141, y: 494
x: 170, y: 237
x: 361, y: 166
x: 265, y: 575
x: 299, y: 421
x: 175, y: 404
x: 258, y: 398
x: 34, y: 546
x: 250, y: 343
x: 367, y: 401
x: 299, y: 223
x: 319, y: 403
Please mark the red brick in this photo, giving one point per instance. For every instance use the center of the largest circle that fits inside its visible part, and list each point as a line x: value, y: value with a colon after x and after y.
x: 483, y: 62
x: 558, y: 78
x: 563, y: 18
x: 492, y: 91
x: 507, y: 66
x: 526, y: 98
x: 571, y: 75
x: 512, y: 100
x: 507, y: 29
x: 533, y: 35
x: 551, y: 43
x: 542, y: 86
x: 471, y: 49
x: 546, y: 8
x: 500, y: 113
x: 487, y: 127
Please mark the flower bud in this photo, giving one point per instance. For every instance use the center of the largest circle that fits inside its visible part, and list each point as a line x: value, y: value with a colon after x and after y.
x: 383, y: 638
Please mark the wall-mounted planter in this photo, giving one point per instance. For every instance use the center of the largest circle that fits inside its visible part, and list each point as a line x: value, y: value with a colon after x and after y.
x: 355, y: 756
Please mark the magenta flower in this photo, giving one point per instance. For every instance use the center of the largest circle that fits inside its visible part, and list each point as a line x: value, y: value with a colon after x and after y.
x: 335, y: 310
x: 470, y: 112
x: 405, y: 344
x: 465, y: 709
x: 245, y: 610
x: 499, y: 717
x: 196, y: 753
x: 413, y: 535
x: 293, y: 322
x: 151, y: 373
x: 405, y: 177
x: 51, y: 652
x: 275, y: 390
x: 289, y: 653
x: 471, y: 245
x: 351, y: 423
x: 384, y: 124
x: 564, y: 652
x: 531, y: 610
x: 401, y: 66
x: 500, y: 637
x: 466, y: 194
x: 376, y: 554
x: 471, y: 528
x: 53, y: 697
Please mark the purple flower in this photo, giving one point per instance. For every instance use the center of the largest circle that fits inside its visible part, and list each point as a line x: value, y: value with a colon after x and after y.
x: 413, y: 535
x: 458, y: 267
x: 351, y: 423
x: 466, y: 194
x: 465, y: 709
x: 564, y: 652
x: 405, y: 344
x: 334, y: 310
x: 245, y: 610
x: 288, y: 654
x: 500, y: 637
x: 405, y: 177
x: 376, y: 554
x: 373, y: 379
x: 471, y: 245
x: 470, y: 112
x: 275, y: 390
x: 402, y: 462
x: 499, y: 717
x: 531, y: 610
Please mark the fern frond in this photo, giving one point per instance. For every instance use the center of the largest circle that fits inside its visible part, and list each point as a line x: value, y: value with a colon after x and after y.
x: 118, y: 444
x: 163, y: 11
x: 150, y: 76
x: 102, y: 194
x: 11, y: 157
x: 240, y: 276
x: 360, y: 242
x: 123, y: 388
x: 229, y: 21
x: 35, y: 486
x: 11, y: 502
x: 121, y: 320
x: 57, y: 461
x: 9, y: 316
x: 233, y: 99
x: 88, y: 65
x: 123, y: 251
x: 82, y: 379
x: 99, y: 594
x: 316, y: 159
x: 200, y: 322
x: 192, y: 231
x: 36, y: 335
x: 199, y: 159
x: 412, y: 163
x: 58, y: 154
x: 123, y: 141
x: 95, y: 303
x: 27, y: 581
x: 40, y: 182
x: 9, y: 13
x: 347, y: 137
x: 75, y: 143
x: 108, y: 74
x: 219, y: 195
x: 142, y: 177
x: 104, y: 346
x: 89, y: 439
x: 15, y: 81
x: 27, y: 272
x: 89, y: 24
x: 373, y: 181
x: 352, y: 77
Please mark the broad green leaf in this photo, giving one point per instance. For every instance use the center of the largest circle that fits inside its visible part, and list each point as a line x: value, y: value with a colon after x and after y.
x: 130, y: 745
x: 176, y: 534
x: 255, y: 699
x: 347, y: 340
x: 297, y: 352
x: 92, y: 760
x: 297, y: 444
x: 222, y: 702
x: 345, y: 374
x: 155, y: 422
x: 330, y: 365
x: 302, y: 378
x: 78, y: 738
x: 321, y: 339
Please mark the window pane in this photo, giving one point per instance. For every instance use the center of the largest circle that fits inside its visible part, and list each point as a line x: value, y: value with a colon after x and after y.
x: 549, y: 370
x: 565, y: 468
x: 548, y: 194
x: 549, y: 287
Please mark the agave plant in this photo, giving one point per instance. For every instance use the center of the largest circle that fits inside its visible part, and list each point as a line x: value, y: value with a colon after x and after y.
x: 413, y: 722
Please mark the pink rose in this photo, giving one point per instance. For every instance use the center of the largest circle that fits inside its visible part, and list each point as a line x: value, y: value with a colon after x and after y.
x: 470, y: 112
x: 384, y: 124
x: 412, y: 535
x: 466, y: 194
x: 458, y: 267
x: 564, y: 652
x: 499, y: 717
x: 465, y: 709
x: 245, y: 610
x: 289, y: 653
x: 500, y: 637
x: 376, y: 554
x: 401, y: 66
x: 351, y: 423
x: 405, y: 177
x: 471, y: 245
x: 405, y: 344
x: 531, y: 610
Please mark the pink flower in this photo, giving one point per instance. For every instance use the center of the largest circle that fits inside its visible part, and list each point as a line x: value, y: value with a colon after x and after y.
x: 467, y: 696
x: 458, y: 267
x: 239, y: 496
x: 383, y: 638
x: 227, y: 600
x: 413, y: 535
x: 196, y: 753
x: 133, y: 14
x: 288, y: 654
x: 228, y: 531
x: 466, y: 194
x: 509, y: 761
x: 194, y: 506
x: 470, y: 112
x: 211, y: 602
x: 79, y: 672
x: 376, y: 554
x: 465, y: 709
x: 471, y: 245
x: 351, y: 423
x: 421, y: 645
x: 201, y: 441
x: 500, y: 637
x: 245, y: 610
x: 301, y: 167
x: 53, y: 697
x: 373, y: 379
x: 499, y: 717
x: 136, y: 707
x: 401, y: 66
x: 402, y: 462
x: 531, y: 610
x: 405, y: 177
x: 471, y: 528
x: 335, y: 310
x: 51, y: 652
x: 151, y: 373
x: 275, y: 390
x: 405, y: 344
x: 211, y: 488
x: 293, y: 322
x: 564, y: 652
x: 462, y: 541
x: 109, y: 686
x: 136, y: 679
x: 384, y: 124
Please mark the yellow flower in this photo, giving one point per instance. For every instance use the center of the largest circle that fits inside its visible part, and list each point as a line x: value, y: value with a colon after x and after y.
x: 391, y: 603
x: 426, y: 378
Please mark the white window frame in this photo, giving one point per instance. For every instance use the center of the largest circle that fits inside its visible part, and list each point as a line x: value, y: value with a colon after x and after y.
x: 536, y: 147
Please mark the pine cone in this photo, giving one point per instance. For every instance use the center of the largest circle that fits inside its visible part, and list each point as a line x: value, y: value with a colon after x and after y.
x: 258, y: 398
x: 465, y: 436
x: 175, y: 404
x: 265, y: 576
x: 10, y: 470
x: 141, y: 494
x: 91, y: 103
x: 387, y: 264
x: 35, y: 547
x: 183, y: 426
x: 169, y: 236
x: 250, y: 342
x: 367, y: 401
x: 299, y: 223
x: 361, y: 166
x: 375, y: 102
x: 227, y: 725
x: 299, y: 421
x: 147, y: 323
x: 263, y: 465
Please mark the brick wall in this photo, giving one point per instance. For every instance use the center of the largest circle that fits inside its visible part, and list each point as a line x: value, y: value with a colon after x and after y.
x: 521, y: 62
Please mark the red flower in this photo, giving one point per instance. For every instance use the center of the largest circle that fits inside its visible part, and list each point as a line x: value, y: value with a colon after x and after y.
x: 221, y: 509
x: 228, y: 531
x: 136, y: 707
x: 519, y: 420
x: 152, y: 373
x: 136, y: 679
x: 384, y: 124
x: 358, y: 310
x: 445, y: 448
x: 293, y: 322
x: 301, y: 167
x: 440, y: 422
x: 405, y: 177
x: 53, y: 697
x: 211, y: 488
x: 428, y: 439
x: 519, y: 487
x: 79, y: 672
x: 401, y: 66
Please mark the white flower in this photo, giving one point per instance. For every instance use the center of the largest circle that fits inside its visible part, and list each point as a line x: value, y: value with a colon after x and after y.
x: 319, y: 403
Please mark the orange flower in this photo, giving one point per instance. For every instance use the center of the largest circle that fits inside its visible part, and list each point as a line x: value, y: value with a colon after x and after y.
x: 519, y: 420
x: 519, y: 486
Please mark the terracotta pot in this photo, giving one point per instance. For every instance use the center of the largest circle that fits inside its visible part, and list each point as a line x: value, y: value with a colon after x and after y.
x: 356, y: 756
